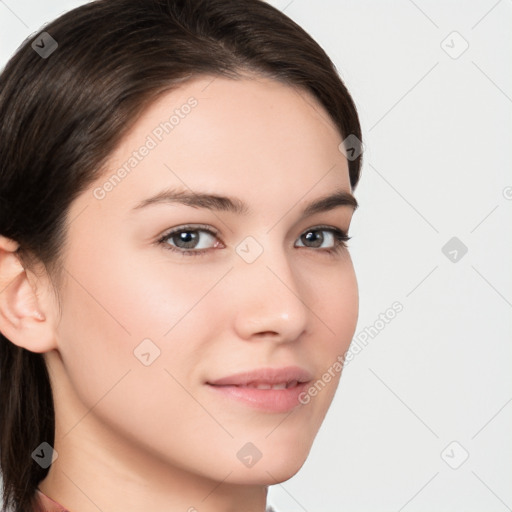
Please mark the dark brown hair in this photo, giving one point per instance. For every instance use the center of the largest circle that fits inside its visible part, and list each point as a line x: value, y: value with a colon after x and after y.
x: 62, y: 115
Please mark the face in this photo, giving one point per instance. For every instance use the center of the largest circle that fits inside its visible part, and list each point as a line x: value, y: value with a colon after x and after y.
x: 205, y: 307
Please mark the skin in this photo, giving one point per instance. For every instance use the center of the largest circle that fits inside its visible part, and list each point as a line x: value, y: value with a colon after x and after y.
x: 133, y: 437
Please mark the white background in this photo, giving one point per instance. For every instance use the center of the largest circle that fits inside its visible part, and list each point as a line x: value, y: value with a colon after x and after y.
x: 437, y: 132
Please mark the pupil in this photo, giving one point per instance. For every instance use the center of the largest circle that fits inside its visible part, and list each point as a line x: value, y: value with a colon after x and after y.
x: 187, y: 237
x: 316, y: 237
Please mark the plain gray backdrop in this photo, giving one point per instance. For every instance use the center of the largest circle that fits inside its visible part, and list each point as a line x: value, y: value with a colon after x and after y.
x: 423, y: 414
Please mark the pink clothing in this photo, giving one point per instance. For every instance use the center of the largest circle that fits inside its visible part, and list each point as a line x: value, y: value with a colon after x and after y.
x: 46, y: 504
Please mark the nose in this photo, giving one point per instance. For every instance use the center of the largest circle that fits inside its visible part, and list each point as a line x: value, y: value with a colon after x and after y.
x: 270, y: 299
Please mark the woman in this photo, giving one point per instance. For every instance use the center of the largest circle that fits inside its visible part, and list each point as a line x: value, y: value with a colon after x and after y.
x: 176, y: 184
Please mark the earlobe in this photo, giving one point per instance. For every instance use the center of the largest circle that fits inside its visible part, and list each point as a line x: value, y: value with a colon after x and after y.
x: 23, y: 319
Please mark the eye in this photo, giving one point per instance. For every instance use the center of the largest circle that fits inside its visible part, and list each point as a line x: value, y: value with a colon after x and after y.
x: 188, y: 237
x: 336, y: 238
x: 198, y: 239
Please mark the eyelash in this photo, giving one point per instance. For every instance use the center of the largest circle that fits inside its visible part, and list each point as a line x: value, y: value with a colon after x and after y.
x: 340, y: 239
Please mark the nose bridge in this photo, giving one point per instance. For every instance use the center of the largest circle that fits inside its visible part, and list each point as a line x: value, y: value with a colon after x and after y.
x: 269, y: 298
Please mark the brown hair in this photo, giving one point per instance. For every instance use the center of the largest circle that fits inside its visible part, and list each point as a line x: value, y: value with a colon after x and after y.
x: 63, y: 113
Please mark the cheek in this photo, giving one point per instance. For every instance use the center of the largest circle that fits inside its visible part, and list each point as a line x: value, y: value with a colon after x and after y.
x: 342, y: 307
x: 110, y: 307
x: 129, y: 296
x: 118, y: 308
x: 337, y: 307
x: 335, y: 302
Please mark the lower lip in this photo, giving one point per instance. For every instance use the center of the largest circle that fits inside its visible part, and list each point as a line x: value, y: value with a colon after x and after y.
x: 271, y: 400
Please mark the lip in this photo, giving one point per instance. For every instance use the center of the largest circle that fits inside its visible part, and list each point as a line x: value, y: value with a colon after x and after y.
x: 241, y: 387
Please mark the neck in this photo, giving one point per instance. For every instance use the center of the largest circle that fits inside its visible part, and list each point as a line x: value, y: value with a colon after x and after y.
x: 83, y: 485
x: 100, y: 468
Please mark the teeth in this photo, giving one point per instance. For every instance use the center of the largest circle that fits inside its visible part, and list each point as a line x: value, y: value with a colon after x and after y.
x: 281, y: 385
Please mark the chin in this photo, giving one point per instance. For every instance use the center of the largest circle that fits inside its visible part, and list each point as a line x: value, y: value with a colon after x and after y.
x: 283, y: 471
x: 277, y: 464
x: 269, y: 473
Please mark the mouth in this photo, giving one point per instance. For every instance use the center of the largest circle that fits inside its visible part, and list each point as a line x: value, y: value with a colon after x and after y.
x: 266, y: 389
x: 267, y: 385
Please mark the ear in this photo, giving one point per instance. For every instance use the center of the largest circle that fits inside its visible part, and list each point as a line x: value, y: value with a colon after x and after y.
x: 27, y: 308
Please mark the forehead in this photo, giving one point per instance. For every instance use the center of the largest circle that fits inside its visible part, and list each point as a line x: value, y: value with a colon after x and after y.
x: 247, y: 136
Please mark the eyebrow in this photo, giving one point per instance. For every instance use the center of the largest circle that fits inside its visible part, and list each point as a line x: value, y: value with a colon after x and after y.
x: 237, y: 206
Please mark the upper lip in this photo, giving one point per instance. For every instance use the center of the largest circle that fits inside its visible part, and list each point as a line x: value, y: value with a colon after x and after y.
x: 270, y: 376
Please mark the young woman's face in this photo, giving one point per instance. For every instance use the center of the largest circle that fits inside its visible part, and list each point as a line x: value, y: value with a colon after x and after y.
x: 158, y: 329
